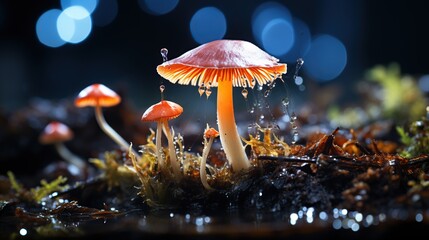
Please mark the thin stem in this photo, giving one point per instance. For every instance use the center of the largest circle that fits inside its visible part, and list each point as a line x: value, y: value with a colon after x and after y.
x: 69, y: 156
x: 203, y: 174
x: 229, y: 137
x: 112, y: 133
x: 172, y: 151
x: 159, y: 146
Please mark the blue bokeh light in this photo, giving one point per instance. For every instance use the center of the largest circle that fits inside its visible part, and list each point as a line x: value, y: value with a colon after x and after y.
x: 106, y: 12
x: 74, y: 24
x: 424, y: 83
x: 89, y: 5
x: 278, y: 37
x: 208, y: 24
x: 264, y: 14
x: 158, y: 7
x: 46, y: 29
x: 326, y: 58
x: 301, y: 44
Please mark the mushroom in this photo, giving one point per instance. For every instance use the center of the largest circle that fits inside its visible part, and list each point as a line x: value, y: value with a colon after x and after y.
x: 57, y: 133
x: 98, y: 96
x: 209, y: 133
x: 225, y: 63
x: 161, y: 113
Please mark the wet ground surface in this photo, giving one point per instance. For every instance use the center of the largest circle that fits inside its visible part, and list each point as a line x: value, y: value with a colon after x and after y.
x: 318, y: 192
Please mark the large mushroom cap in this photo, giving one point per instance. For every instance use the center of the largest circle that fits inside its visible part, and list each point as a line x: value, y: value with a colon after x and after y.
x: 55, y: 132
x: 227, y: 60
x: 97, y: 95
x: 164, y: 110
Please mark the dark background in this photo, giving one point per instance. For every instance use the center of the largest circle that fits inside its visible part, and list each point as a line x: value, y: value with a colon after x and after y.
x: 125, y: 53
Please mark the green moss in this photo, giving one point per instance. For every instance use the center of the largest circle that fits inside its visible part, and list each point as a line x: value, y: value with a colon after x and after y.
x: 47, y: 188
x: 400, y: 96
x: 38, y: 193
x: 416, y: 139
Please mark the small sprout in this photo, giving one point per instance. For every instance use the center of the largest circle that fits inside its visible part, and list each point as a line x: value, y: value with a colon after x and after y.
x: 209, y: 133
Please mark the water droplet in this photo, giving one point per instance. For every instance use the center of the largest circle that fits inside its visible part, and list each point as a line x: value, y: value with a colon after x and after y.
x: 285, y: 102
x: 260, y: 87
x: 201, y: 90
x: 299, y: 63
x: 162, y: 88
x: 251, y: 128
x: 244, y: 92
x: 261, y: 117
x: 208, y: 92
x: 267, y: 93
x: 164, y: 53
x: 299, y: 80
x: 295, y: 137
x: 293, y: 116
x: 267, y: 105
x: 252, y: 110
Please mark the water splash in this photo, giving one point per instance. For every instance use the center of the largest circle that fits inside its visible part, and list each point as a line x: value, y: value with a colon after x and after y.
x: 299, y: 63
x: 164, y: 53
x: 161, y: 88
x: 285, y: 103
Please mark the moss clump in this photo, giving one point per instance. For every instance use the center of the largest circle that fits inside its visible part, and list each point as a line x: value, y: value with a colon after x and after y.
x: 38, y: 193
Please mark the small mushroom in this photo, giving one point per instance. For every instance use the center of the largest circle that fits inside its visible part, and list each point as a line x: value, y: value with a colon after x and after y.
x: 225, y: 63
x: 57, y: 133
x: 98, y: 96
x: 209, y: 133
x: 161, y: 113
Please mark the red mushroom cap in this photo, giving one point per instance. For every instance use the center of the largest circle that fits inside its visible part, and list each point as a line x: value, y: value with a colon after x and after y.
x: 223, y: 60
x: 211, y: 133
x: 55, y: 132
x: 164, y: 110
x: 97, y: 95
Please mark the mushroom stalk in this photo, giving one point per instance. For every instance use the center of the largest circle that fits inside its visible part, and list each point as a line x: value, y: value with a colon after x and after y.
x: 229, y: 137
x: 158, y: 145
x: 69, y: 156
x: 203, y: 174
x: 172, y: 150
x: 110, y: 132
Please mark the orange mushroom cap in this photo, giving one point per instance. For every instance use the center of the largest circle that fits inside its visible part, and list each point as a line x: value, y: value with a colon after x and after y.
x: 97, y: 95
x: 211, y: 133
x: 55, y: 132
x: 164, y: 110
x: 226, y: 60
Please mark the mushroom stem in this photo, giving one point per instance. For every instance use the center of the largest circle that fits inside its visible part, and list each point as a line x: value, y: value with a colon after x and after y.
x: 158, y: 145
x: 228, y: 132
x: 172, y: 150
x: 203, y: 174
x: 69, y: 156
x: 110, y: 132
